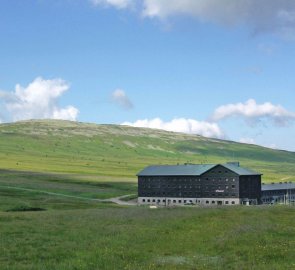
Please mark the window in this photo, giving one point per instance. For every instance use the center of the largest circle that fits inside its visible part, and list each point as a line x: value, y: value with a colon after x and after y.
x: 233, y: 202
x: 213, y: 202
x: 184, y: 201
x: 154, y: 200
x: 164, y: 201
x: 233, y: 186
x: 148, y: 200
x: 207, y: 202
x: 143, y: 200
x: 226, y: 202
x: 179, y: 201
x: 174, y: 201
x: 159, y: 201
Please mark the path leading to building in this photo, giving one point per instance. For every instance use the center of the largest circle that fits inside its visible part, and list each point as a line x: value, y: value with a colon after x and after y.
x: 116, y: 200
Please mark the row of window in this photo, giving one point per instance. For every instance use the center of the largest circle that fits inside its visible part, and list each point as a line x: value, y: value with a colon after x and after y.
x: 187, y: 194
x: 181, y: 201
x: 168, y: 201
x: 226, y: 202
x: 188, y: 180
x: 189, y: 187
x: 170, y: 194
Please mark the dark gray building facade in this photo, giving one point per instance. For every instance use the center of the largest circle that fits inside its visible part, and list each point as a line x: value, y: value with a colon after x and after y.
x: 203, y: 184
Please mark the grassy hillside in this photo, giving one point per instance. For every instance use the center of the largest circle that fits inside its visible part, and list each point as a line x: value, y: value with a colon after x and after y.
x: 118, y: 151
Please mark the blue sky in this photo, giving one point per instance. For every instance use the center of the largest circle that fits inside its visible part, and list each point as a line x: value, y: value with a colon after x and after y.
x: 190, y: 65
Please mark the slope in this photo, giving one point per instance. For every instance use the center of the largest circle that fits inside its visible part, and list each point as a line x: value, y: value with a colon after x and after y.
x: 120, y: 151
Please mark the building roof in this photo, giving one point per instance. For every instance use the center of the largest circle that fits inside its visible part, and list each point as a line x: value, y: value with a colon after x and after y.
x: 192, y: 170
x: 176, y: 170
x: 278, y: 186
x: 239, y: 170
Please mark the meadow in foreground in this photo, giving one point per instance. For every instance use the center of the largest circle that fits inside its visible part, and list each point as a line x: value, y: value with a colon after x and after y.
x: 141, y: 238
x: 80, y: 233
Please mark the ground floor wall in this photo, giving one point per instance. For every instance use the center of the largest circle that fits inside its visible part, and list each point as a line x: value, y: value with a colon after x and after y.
x: 168, y: 201
x: 280, y: 199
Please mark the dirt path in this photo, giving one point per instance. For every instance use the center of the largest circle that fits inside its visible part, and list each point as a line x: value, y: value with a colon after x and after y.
x: 116, y: 200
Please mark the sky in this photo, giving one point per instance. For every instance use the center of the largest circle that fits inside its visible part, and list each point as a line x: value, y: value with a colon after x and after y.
x: 222, y: 69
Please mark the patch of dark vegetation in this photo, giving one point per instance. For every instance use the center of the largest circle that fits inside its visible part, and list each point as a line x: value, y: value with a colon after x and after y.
x: 25, y: 208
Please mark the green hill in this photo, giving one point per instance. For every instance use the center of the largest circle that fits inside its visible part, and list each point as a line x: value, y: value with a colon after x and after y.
x: 120, y: 151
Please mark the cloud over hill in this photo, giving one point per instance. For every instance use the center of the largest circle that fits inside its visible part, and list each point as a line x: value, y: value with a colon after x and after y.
x: 38, y: 100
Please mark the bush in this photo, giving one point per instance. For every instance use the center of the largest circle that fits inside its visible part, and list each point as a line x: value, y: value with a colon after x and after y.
x: 24, y: 208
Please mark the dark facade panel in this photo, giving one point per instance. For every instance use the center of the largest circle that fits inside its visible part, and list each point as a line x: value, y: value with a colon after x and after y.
x: 220, y: 182
x: 250, y: 187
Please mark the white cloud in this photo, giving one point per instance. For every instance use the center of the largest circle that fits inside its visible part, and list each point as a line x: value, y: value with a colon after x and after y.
x: 183, y: 125
x: 120, y: 4
x: 39, y: 100
x: 247, y: 140
x: 254, y: 112
x: 120, y: 97
x: 262, y: 15
x: 277, y: 16
x: 252, y: 141
x: 272, y: 146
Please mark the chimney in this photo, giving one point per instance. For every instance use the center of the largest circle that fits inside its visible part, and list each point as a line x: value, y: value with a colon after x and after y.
x: 234, y: 163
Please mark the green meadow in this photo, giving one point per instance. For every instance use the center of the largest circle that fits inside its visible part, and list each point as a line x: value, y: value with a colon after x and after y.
x: 55, y: 174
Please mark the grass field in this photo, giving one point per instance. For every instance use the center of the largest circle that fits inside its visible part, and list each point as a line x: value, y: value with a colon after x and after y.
x: 140, y: 238
x: 52, y: 174
x: 81, y: 233
x: 72, y: 191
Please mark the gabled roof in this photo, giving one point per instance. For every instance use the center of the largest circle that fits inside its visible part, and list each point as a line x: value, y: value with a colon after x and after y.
x: 191, y: 170
x: 239, y: 170
x: 176, y: 170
